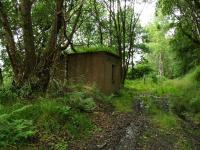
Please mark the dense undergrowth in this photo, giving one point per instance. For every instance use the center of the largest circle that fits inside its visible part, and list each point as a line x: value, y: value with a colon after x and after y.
x: 51, y: 121
x: 183, y: 94
x: 47, y: 122
x: 173, y: 107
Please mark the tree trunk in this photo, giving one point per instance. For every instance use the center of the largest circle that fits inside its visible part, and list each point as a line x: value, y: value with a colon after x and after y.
x: 10, y: 45
x: 132, y: 65
x: 26, y: 65
x: 99, y: 23
x: 160, y: 65
x: 110, y: 24
x: 30, y: 56
x: 44, y: 66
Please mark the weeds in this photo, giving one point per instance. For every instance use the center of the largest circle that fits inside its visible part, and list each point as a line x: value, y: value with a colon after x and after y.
x: 82, y: 49
x: 123, y: 101
x: 22, y: 120
x: 166, y: 120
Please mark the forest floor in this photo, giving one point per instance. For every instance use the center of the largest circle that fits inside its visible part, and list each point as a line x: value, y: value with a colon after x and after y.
x: 144, y: 115
x: 142, y: 127
x: 137, y: 131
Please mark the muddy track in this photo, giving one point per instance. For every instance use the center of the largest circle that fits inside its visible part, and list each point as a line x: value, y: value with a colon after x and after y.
x: 126, y: 131
x: 189, y: 129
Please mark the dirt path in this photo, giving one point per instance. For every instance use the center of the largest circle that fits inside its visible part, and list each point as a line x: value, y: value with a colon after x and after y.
x: 123, y: 133
x: 136, y: 131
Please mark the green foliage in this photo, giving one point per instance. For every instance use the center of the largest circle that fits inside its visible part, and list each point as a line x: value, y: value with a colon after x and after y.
x: 80, y: 101
x: 15, y: 131
x: 194, y: 105
x: 139, y: 71
x: 162, y: 57
x: 166, y: 120
x: 53, y: 107
x: 45, y: 119
x: 183, y: 94
x: 25, y: 91
x: 79, y: 125
x: 6, y: 95
x: 61, y: 145
x: 123, y: 101
x: 197, y: 74
x: 185, y: 41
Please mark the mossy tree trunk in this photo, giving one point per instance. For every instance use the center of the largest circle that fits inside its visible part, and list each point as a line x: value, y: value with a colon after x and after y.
x: 25, y: 66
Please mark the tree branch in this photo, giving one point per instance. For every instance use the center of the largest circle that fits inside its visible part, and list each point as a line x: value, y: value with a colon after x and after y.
x: 11, y: 47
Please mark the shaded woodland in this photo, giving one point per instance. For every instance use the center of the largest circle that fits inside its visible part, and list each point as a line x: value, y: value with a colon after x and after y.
x: 159, y: 93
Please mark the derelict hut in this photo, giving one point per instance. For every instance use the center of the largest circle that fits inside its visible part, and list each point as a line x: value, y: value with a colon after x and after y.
x: 99, y: 68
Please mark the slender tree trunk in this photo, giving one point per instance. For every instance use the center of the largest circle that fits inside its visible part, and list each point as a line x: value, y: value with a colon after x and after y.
x: 110, y: 24
x: 99, y: 23
x: 132, y: 65
x: 160, y: 65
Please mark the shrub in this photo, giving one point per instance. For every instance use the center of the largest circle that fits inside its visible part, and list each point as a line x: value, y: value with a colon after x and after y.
x: 78, y: 125
x: 7, y: 96
x: 197, y: 74
x: 60, y: 145
x: 80, y: 101
x: 30, y: 112
x: 55, y: 112
x: 15, y: 131
x: 53, y: 107
x: 195, y: 105
x: 25, y: 91
x: 139, y: 71
x: 197, y: 118
x: 123, y: 102
x: 166, y: 120
x: 179, y: 106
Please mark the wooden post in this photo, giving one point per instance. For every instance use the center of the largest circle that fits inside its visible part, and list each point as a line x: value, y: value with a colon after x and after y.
x: 144, y: 78
x: 1, y: 78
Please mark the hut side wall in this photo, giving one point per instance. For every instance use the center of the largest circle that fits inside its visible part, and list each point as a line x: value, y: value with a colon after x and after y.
x: 86, y: 68
x: 112, y: 78
x: 100, y: 68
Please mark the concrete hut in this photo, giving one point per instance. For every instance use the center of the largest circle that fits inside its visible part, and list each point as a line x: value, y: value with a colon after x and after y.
x: 99, y: 68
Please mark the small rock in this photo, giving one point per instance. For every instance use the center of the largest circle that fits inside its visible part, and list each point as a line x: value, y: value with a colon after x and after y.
x: 100, y: 146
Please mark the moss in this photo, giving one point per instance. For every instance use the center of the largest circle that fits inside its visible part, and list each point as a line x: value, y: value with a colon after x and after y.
x: 81, y: 49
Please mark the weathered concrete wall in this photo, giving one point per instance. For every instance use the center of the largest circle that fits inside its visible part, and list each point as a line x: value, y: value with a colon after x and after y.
x: 112, y: 83
x: 86, y: 68
x: 100, y: 68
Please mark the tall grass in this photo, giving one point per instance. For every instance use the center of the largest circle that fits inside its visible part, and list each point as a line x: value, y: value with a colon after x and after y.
x: 183, y: 93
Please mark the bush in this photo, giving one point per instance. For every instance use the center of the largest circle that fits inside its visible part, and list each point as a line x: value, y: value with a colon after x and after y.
x: 80, y: 101
x: 197, y: 74
x: 139, y: 71
x: 195, y: 105
x: 53, y: 107
x: 13, y: 131
x: 166, y: 120
x: 123, y: 102
x: 78, y: 125
x: 7, y: 96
